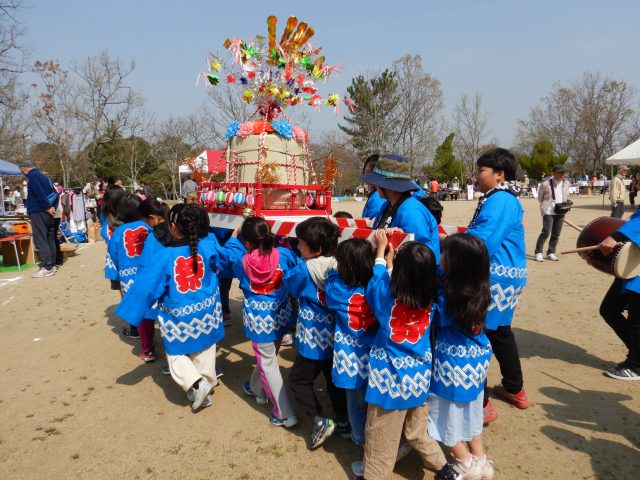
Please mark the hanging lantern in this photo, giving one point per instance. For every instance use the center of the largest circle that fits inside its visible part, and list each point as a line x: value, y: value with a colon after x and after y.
x: 251, y: 200
x: 211, y: 197
x: 220, y: 197
x: 203, y: 197
x: 238, y: 199
x: 321, y: 201
x: 309, y: 200
x: 228, y: 198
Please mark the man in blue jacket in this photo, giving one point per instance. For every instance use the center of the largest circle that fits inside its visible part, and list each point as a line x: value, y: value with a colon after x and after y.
x: 42, y: 200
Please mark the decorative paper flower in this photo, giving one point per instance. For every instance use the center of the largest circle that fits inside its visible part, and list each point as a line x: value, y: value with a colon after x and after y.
x: 300, y: 135
x: 260, y: 126
x: 283, y: 128
x: 245, y: 130
x: 232, y: 129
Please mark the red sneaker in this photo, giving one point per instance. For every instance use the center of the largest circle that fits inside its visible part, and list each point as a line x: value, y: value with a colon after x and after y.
x: 519, y: 399
x: 148, y: 357
x: 490, y: 413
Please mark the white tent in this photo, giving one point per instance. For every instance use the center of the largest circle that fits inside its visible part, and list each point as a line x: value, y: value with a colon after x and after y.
x: 629, y: 155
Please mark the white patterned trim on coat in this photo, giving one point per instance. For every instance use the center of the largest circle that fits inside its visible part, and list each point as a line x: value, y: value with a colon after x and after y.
x: 407, y: 361
x: 504, y: 299
x: 466, y: 376
x: 315, y: 338
x: 508, y: 272
x: 189, y: 309
x: 351, y: 364
x: 474, y: 351
x: 311, y: 316
x: 127, y: 272
x: 348, y: 340
x: 109, y: 265
x: 191, y: 330
x: 266, y: 323
x: 388, y: 383
x: 125, y: 286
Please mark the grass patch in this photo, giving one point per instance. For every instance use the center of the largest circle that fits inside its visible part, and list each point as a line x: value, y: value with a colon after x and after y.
x: 62, y: 418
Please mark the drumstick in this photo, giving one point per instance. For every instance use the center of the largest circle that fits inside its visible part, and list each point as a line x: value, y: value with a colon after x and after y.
x: 572, y: 225
x: 587, y: 249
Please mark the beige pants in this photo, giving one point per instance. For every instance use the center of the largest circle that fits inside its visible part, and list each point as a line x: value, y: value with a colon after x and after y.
x: 382, y: 437
x: 188, y: 369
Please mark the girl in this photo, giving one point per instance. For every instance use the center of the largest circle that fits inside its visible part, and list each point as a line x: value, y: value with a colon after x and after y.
x: 183, y: 282
x: 400, y: 359
x: 125, y: 250
x: 266, y: 310
x: 462, y: 355
x: 356, y: 327
x: 109, y: 212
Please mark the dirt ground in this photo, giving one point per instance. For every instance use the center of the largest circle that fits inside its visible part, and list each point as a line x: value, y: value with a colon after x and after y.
x: 76, y: 402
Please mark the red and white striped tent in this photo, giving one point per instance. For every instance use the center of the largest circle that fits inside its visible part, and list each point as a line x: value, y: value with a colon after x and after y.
x: 210, y: 161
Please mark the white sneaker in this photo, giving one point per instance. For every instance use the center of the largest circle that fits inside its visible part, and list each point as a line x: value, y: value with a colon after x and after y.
x: 191, y: 396
x: 468, y: 469
x: 201, y: 394
x: 43, y: 272
x: 486, y: 467
x: 552, y: 257
x: 539, y: 257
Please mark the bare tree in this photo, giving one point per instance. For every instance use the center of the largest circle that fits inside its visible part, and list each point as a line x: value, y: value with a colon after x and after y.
x: 12, y: 53
x: 471, y: 130
x: 140, y: 123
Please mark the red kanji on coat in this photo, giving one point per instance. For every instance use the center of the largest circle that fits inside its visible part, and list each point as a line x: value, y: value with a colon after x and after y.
x: 407, y: 323
x: 322, y: 298
x: 186, y: 279
x: 133, y: 240
x: 360, y: 313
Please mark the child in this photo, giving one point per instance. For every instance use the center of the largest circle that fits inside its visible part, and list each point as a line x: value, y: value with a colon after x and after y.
x: 109, y: 212
x: 125, y: 250
x: 317, y: 240
x: 266, y: 310
x: 184, y: 284
x: 497, y: 221
x: 356, y: 327
x: 400, y: 359
x: 462, y: 355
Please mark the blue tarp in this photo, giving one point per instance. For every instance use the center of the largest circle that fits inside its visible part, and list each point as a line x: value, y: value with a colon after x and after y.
x: 9, y: 169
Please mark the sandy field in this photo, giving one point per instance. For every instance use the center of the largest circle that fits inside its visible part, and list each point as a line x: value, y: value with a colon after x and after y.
x: 77, y: 402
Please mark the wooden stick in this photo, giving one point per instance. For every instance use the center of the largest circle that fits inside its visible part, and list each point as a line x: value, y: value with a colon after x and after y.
x: 572, y: 225
x: 587, y: 249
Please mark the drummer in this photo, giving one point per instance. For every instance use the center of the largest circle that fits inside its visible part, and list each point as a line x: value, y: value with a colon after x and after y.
x: 624, y: 294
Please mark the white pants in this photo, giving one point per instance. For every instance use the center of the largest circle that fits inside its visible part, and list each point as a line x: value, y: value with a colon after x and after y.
x: 188, y: 369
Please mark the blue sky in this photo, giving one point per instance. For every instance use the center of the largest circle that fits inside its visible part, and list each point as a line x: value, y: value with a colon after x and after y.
x: 510, y: 51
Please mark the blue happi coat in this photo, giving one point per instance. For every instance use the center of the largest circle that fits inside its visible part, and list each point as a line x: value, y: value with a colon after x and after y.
x: 356, y: 327
x: 400, y: 358
x: 189, y: 308
x: 461, y: 360
x: 267, y: 313
x: 316, y: 324
x: 413, y: 217
x: 631, y: 230
x: 499, y: 225
x: 125, y: 253
x: 105, y: 230
x: 374, y: 206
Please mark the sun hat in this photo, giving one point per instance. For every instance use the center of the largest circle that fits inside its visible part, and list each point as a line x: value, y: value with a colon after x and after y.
x: 392, y: 172
x: 559, y: 168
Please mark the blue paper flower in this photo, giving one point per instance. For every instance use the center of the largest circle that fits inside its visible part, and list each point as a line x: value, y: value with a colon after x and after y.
x: 232, y: 129
x: 243, y: 80
x: 283, y: 128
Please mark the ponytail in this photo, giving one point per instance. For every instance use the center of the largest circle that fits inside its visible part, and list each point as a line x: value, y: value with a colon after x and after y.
x: 256, y: 231
x: 192, y: 221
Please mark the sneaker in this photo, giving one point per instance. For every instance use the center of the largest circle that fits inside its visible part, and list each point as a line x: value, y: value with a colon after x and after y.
x: 357, y: 468
x: 519, y: 399
x: 219, y: 372
x: 260, y: 399
x: 201, y: 394
x: 287, y: 340
x: 403, y: 449
x: 486, y: 467
x: 343, y: 429
x: 131, y: 332
x: 166, y: 370
x: 226, y: 319
x: 623, y: 371
x: 539, y: 257
x: 289, y: 422
x: 468, y: 469
x: 44, y: 272
x: 148, y: 357
x: 447, y: 473
x: 552, y: 257
x: 320, y: 432
x: 490, y: 414
x: 191, y: 396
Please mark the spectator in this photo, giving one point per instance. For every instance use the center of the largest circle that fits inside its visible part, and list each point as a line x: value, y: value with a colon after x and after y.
x: 190, y: 190
x: 616, y: 195
x: 147, y: 191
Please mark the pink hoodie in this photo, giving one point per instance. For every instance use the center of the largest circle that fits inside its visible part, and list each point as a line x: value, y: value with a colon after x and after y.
x: 259, y: 266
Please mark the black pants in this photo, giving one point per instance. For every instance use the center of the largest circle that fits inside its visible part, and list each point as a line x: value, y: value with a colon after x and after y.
x: 43, y: 230
x: 627, y: 329
x: 505, y: 349
x: 550, y: 224
x: 225, y: 287
x: 301, y: 379
x: 617, y: 210
x: 56, y: 226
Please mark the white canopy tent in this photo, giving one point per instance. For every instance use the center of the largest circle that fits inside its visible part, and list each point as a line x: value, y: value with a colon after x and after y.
x: 629, y: 155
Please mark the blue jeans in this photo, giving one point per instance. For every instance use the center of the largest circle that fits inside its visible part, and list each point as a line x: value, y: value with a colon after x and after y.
x: 225, y: 287
x: 357, y: 410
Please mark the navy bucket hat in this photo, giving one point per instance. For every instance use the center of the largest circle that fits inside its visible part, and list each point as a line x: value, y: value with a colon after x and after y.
x: 392, y: 172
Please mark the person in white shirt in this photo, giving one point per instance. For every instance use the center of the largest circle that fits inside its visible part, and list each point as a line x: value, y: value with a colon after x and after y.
x: 617, y: 192
x: 551, y: 192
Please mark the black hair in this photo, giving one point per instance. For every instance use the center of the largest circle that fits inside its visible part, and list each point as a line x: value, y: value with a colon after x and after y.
x: 499, y: 159
x: 129, y: 208
x: 414, y: 280
x: 154, y: 207
x: 319, y: 234
x: 256, y: 231
x: 112, y: 180
x: 192, y: 221
x: 342, y: 214
x: 434, y: 206
x: 466, y: 280
x: 111, y: 199
x: 372, y: 160
x: 355, y: 259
